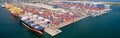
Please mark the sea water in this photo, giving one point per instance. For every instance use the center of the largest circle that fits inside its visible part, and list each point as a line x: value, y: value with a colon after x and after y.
x: 105, y: 26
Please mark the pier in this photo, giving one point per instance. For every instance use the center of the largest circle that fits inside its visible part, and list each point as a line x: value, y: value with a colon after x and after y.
x: 51, y: 21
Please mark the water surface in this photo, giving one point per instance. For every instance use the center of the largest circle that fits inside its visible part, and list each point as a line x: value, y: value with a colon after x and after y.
x: 105, y: 26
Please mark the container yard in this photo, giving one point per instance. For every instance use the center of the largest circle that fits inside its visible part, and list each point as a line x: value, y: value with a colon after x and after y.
x: 51, y: 16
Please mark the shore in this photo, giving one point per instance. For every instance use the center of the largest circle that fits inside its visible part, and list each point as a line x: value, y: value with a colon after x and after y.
x: 43, y: 6
x: 54, y: 32
x: 43, y: 18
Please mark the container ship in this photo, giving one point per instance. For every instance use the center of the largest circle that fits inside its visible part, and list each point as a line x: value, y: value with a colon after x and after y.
x: 16, y: 12
x: 51, y: 16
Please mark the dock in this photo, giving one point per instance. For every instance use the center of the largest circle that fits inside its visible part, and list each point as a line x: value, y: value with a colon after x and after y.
x: 56, y: 31
x: 52, y: 32
x: 67, y: 16
x: 39, y: 5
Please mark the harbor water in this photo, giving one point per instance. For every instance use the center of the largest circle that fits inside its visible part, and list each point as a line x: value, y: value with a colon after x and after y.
x: 104, y: 26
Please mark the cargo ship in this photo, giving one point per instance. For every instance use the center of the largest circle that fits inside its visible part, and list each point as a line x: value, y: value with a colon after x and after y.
x: 16, y: 13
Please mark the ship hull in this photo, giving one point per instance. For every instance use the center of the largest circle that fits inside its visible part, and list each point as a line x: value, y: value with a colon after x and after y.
x: 34, y: 30
x: 27, y: 26
x: 15, y: 15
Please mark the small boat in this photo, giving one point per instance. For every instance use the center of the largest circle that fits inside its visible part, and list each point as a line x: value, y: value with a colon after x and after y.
x: 2, y: 5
